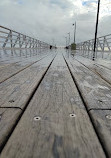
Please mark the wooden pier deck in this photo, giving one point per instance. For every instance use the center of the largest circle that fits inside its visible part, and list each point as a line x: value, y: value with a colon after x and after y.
x: 54, y: 105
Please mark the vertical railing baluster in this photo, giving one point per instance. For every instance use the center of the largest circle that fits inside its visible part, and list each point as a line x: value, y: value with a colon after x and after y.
x: 11, y: 39
x: 7, y: 38
x: 30, y: 42
x: 19, y: 41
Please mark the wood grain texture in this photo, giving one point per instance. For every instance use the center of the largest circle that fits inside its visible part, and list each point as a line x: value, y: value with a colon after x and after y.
x: 104, y: 63
x: 12, y: 69
x: 103, y: 71
x: 95, y: 91
x: 16, y: 91
x: 8, y: 118
x: 102, y: 122
x: 47, y: 127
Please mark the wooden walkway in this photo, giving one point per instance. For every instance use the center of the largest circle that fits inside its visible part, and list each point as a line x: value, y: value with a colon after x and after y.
x: 54, y: 105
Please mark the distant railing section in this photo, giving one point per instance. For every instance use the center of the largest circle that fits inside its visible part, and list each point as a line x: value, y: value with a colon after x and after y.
x: 12, y: 39
x: 103, y: 43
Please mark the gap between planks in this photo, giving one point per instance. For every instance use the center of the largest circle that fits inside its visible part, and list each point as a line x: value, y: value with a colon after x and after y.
x: 96, y: 72
x: 7, y: 107
x: 57, y: 143
x: 23, y: 110
x: 22, y: 69
x: 107, y: 152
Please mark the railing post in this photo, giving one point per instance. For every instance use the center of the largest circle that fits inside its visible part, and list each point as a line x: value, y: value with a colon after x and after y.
x: 103, y: 43
x: 107, y: 43
x: 36, y: 44
x: 11, y: 38
x: 30, y: 42
x: 23, y: 39
x: 6, y: 40
x: 19, y: 41
x: 16, y: 41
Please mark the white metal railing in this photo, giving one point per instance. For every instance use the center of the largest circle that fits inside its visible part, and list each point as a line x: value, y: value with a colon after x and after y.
x: 12, y: 39
x: 103, y: 43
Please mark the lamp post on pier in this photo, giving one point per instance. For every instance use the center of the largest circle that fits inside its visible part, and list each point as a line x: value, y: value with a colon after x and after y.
x: 69, y: 38
x: 96, y: 29
x: 66, y: 41
x: 74, y: 31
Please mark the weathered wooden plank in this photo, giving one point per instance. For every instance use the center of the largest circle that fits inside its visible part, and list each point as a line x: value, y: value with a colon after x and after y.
x: 104, y: 63
x: 4, y: 65
x: 95, y: 91
x: 102, y: 123
x: 8, y: 118
x: 102, y: 71
x: 8, y: 71
x: 13, y: 69
x: 16, y: 91
x: 55, y: 123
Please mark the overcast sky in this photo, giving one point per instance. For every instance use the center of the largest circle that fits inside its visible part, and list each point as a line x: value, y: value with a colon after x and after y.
x: 51, y: 20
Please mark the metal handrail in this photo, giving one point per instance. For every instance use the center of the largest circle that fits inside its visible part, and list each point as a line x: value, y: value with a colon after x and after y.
x: 13, y: 39
x: 103, y: 43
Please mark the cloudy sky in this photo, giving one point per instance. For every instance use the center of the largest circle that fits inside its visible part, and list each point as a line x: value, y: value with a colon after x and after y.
x: 51, y: 20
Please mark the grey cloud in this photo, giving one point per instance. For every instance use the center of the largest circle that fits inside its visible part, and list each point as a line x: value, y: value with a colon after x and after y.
x: 47, y: 20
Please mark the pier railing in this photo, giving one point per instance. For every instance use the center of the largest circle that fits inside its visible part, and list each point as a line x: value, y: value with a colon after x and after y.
x: 12, y: 39
x: 103, y: 43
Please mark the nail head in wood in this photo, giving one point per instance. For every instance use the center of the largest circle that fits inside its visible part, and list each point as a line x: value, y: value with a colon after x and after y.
x: 100, y: 101
x: 108, y: 117
x: 37, y: 118
x: 11, y: 101
x: 72, y: 115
